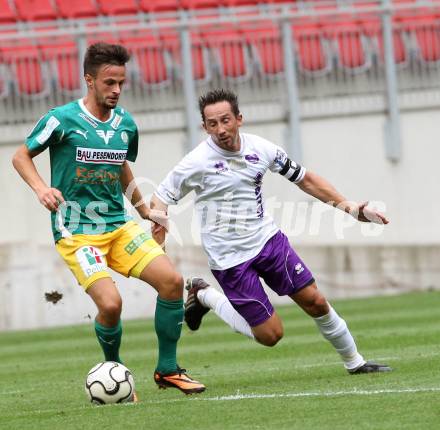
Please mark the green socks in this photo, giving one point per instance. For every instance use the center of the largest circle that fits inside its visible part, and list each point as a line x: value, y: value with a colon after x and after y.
x: 168, y: 322
x: 110, y: 340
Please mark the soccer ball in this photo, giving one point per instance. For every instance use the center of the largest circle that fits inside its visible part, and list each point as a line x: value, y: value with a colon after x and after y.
x: 109, y: 382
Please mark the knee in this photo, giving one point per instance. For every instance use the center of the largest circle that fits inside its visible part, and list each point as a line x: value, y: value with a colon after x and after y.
x: 270, y: 338
x: 111, y: 310
x: 320, y: 306
x: 171, y: 287
x: 316, y: 306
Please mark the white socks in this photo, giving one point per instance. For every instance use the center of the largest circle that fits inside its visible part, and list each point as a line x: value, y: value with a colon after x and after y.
x: 335, y: 330
x: 332, y: 326
x: 219, y: 303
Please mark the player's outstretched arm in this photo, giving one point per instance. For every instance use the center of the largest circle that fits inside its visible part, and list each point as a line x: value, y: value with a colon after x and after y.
x: 158, y: 230
x: 321, y: 189
x: 132, y: 192
x: 22, y: 161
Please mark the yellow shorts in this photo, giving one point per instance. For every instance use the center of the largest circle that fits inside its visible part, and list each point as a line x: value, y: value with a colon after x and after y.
x: 127, y: 250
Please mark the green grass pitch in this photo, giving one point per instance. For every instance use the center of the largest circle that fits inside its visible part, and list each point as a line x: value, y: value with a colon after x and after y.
x: 299, y: 384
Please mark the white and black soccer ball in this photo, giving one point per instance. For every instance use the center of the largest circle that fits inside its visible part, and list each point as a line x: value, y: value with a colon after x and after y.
x: 109, y: 382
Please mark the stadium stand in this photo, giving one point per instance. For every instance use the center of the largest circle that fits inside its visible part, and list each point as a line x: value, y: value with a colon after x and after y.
x: 327, y: 38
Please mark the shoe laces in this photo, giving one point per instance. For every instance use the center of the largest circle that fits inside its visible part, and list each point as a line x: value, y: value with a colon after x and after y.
x: 180, y: 370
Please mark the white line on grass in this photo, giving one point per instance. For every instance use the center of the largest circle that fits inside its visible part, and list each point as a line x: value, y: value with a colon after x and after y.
x: 251, y: 396
x: 239, y: 396
x: 355, y: 392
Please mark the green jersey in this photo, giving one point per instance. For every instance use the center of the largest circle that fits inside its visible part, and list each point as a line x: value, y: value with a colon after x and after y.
x: 86, y: 156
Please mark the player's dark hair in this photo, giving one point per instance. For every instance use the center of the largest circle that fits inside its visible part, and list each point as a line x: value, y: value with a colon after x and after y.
x: 104, y: 53
x: 218, y: 95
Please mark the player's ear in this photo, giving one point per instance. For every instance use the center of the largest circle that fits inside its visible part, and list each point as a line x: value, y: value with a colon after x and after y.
x: 240, y: 119
x: 204, y: 125
x: 89, y: 80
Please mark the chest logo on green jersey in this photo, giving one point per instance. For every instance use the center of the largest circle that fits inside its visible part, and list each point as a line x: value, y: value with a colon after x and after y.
x: 82, y: 133
x: 106, y: 135
x: 101, y: 156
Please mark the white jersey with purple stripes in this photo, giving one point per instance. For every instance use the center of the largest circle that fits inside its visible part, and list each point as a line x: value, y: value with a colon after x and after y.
x: 229, y: 201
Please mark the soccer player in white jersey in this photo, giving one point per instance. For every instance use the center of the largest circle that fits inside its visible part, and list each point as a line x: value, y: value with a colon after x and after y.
x: 90, y: 141
x: 241, y: 240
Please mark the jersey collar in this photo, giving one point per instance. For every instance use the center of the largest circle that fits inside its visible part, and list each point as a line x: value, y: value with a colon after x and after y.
x: 224, y: 152
x: 86, y: 111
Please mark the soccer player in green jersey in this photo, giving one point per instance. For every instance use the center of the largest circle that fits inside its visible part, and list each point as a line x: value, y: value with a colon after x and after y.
x: 90, y: 141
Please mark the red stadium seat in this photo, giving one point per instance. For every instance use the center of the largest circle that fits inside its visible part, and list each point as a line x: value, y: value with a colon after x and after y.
x: 312, y: 49
x: 159, y: 5
x: 7, y: 14
x: 199, y: 55
x: 372, y: 27
x: 229, y: 51
x: 428, y: 42
x: 352, y: 47
x: 426, y: 34
x: 200, y: 4
x: 235, y: 3
x: 118, y: 7
x: 63, y: 54
x: 77, y: 8
x: 35, y: 10
x: 267, y: 50
x: 423, y: 27
x: 152, y: 60
x: 25, y: 62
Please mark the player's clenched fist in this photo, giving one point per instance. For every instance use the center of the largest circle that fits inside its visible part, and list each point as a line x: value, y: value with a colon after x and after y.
x: 364, y: 214
x: 159, y: 218
x: 50, y: 198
